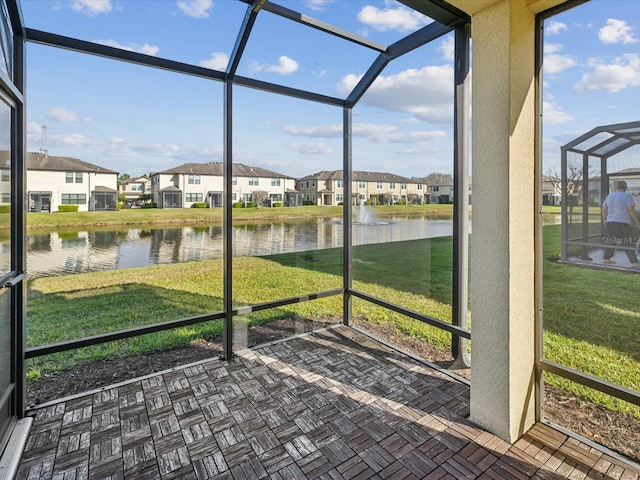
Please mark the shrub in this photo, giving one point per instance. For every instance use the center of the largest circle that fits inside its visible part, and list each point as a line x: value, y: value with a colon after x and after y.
x: 250, y: 204
x: 237, y: 205
x: 68, y: 208
x: 340, y: 203
x: 277, y: 204
x: 150, y: 205
x: 307, y: 202
x: 5, y: 208
x: 199, y: 205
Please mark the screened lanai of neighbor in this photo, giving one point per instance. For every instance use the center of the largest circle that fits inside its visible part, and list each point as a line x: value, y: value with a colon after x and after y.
x: 598, y: 159
x: 306, y: 329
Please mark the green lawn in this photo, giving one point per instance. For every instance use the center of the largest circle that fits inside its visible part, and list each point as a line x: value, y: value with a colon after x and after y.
x: 188, y: 216
x: 590, y: 317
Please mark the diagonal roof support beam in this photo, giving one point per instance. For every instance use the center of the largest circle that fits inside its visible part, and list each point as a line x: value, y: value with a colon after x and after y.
x: 322, y: 26
x: 243, y: 36
x: 407, y: 44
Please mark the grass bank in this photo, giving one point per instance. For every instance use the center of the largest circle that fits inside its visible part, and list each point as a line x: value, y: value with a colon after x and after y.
x: 190, y: 216
x: 587, y: 327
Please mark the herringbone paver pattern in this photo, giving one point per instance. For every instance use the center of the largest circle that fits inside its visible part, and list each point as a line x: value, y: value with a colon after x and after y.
x: 332, y: 405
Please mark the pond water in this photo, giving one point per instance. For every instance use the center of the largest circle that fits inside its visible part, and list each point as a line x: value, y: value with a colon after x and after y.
x: 58, y: 253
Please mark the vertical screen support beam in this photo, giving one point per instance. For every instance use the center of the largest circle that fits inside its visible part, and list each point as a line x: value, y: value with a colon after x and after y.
x: 585, y: 207
x: 564, y: 201
x: 227, y: 335
x: 461, y: 358
x: 347, y: 209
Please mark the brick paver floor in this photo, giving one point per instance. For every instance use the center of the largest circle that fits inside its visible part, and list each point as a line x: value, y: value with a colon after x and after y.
x: 334, y: 404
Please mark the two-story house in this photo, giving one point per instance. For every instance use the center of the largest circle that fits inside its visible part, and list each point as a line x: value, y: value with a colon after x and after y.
x: 440, y: 190
x: 134, y: 188
x: 189, y: 183
x: 379, y: 188
x: 53, y: 181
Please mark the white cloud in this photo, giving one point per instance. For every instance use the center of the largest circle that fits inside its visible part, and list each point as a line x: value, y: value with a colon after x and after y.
x: 74, y: 139
x: 612, y: 77
x: 285, y: 66
x: 554, y: 62
x: 323, y: 131
x: 218, y: 61
x: 195, y: 8
x: 554, y: 28
x: 401, y: 19
x: 131, y: 47
x: 317, y: 5
x: 448, y: 47
x: 551, y: 113
x: 91, y: 7
x: 616, y: 31
x: 312, y: 148
x: 377, y: 132
x: 61, y: 114
x: 426, y: 93
x: 34, y: 130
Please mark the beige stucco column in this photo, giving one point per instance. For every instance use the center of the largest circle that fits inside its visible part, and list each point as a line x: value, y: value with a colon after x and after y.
x: 503, y: 248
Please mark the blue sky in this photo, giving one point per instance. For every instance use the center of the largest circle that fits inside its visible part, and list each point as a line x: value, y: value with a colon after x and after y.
x: 137, y: 120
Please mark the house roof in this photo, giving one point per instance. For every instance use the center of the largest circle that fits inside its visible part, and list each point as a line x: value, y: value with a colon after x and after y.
x: 40, y: 161
x: 358, y: 175
x: 100, y: 188
x: 136, y: 180
x: 217, y: 169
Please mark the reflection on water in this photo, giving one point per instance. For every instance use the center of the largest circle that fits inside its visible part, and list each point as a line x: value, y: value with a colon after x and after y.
x: 57, y: 253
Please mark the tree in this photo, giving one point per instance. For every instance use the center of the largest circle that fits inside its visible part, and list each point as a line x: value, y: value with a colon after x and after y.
x: 259, y: 196
x: 437, y: 178
x: 123, y: 178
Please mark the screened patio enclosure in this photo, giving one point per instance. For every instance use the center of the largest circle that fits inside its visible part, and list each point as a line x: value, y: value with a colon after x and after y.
x: 591, y: 166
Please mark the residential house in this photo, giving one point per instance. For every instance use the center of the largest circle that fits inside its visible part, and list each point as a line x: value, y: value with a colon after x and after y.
x: 53, y: 181
x: 440, y: 190
x: 190, y: 183
x: 134, y: 188
x: 327, y: 188
x: 551, y: 190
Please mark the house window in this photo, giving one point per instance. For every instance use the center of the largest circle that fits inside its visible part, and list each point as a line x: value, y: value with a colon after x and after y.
x: 234, y: 196
x: 6, y: 198
x: 73, y: 177
x: 135, y: 187
x: 74, y: 199
x: 395, y: 198
x: 253, y: 181
x: 339, y: 184
x: 234, y: 180
x: 6, y: 175
x: 436, y: 189
x: 194, y: 180
x: 392, y: 185
x: 307, y: 187
x: 419, y: 186
x: 403, y: 186
x: 362, y: 185
x: 275, y: 182
x: 379, y: 185
x: 193, y: 197
x: 313, y: 184
x: 339, y: 197
x: 313, y: 197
